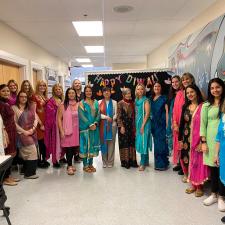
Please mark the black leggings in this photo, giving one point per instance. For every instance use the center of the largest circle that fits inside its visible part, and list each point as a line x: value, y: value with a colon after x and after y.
x: 29, y: 167
x: 42, y: 150
x: 216, y: 184
x: 70, y: 153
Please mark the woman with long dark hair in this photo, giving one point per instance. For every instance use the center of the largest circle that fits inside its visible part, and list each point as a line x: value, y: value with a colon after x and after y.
x: 198, y: 173
x: 28, y: 89
x: 69, y: 127
x: 193, y: 98
x: 26, y: 121
x: 10, y: 127
x: 210, y: 117
x: 175, y: 87
x: 159, y: 122
x: 89, y: 118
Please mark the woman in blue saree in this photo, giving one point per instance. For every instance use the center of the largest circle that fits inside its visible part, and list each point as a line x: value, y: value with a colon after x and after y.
x: 159, y: 121
x: 89, y: 117
x: 142, y: 121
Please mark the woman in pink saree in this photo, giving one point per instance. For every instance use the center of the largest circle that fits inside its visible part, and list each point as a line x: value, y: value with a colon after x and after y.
x: 198, y: 172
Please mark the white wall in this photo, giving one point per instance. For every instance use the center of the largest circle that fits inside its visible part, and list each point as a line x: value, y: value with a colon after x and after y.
x: 16, y: 44
x: 159, y: 57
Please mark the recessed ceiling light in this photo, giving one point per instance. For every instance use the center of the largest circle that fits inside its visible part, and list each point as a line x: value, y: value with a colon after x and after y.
x: 88, y: 28
x: 94, y: 49
x: 83, y: 60
x: 87, y: 65
x: 123, y: 8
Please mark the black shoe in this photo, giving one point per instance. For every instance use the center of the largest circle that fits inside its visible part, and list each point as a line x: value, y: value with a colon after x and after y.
x: 133, y: 163
x: 46, y: 163
x: 42, y: 165
x: 180, y: 172
x: 123, y: 163
x: 63, y: 161
x: 127, y: 165
x: 177, y: 168
x: 56, y: 165
x: 77, y: 159
x: 21, y: 169
x: 223, y: 219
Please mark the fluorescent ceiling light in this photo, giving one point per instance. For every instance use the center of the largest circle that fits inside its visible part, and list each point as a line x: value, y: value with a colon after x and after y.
x: 83, y: 60
x: 87, y: 65
x: 88, y: 28
x: 94, y: 49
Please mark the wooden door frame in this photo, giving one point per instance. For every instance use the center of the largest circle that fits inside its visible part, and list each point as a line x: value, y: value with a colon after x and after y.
x: 40, y: 71
x: 22, y: 63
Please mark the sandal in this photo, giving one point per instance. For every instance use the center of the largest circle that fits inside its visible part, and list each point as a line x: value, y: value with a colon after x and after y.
x: 190, y: 190
x: 70, y: 170
x: 93, y: 170
x: 185, y: 179
x: 74, y: 168
x: 141, y: 168
x: 199, y: 193
x: 87, y: 169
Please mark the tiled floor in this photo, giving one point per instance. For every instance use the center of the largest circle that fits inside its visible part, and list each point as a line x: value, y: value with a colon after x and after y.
x: 115, y: 196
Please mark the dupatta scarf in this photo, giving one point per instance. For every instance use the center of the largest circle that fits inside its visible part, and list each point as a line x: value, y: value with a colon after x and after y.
x: 26, y: 121
x: 105, y: 125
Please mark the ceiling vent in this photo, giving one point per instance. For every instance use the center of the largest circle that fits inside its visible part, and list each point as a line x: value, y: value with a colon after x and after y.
x: 123, y: 9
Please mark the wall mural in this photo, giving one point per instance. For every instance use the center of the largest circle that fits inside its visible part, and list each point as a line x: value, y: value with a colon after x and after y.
x: 201, y: 53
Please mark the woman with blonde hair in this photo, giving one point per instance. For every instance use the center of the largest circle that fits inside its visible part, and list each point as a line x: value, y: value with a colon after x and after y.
x: 40, y: 99
x: 13, y: 88
x: 142, y: 121
x: 51, y: 129
x: 186, y: 79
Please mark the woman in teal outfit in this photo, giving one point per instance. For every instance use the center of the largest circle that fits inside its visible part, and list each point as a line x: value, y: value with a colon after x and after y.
x: 220, y: 149
x: 89, y: 117
x: 142, y: 121
x: 159, y: 121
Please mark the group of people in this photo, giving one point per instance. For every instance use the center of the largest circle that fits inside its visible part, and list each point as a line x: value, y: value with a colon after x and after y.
x: 34, y: 128
x: 196, y: 136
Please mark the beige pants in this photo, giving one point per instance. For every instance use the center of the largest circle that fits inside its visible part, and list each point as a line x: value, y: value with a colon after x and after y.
x: 109, y: 156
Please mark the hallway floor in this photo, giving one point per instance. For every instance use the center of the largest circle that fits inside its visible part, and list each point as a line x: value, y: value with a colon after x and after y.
x: 111, y: 196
